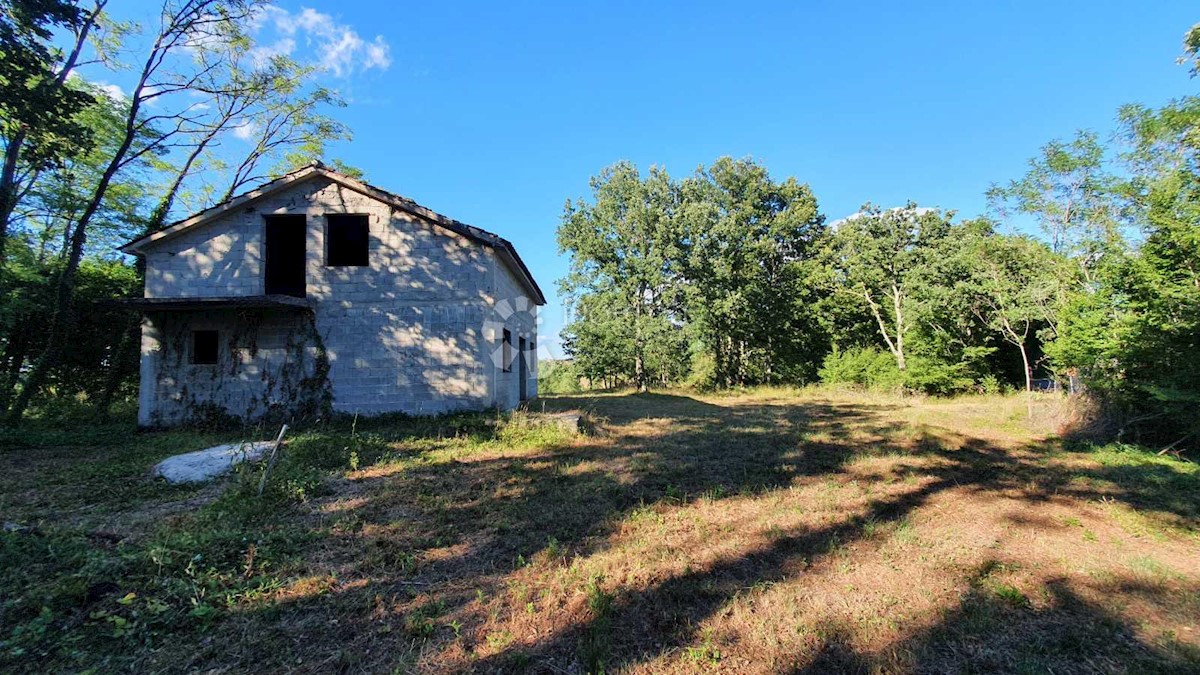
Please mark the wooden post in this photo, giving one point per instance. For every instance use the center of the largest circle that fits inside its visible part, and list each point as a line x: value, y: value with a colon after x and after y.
x: 271, y: 459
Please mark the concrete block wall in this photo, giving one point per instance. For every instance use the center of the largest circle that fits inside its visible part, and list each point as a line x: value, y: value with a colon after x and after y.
x: 408, y: 332
x: 511, y: 308
x: 262, y: 358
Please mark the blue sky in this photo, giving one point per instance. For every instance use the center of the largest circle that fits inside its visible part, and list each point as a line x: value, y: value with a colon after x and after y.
x: 496, y: 113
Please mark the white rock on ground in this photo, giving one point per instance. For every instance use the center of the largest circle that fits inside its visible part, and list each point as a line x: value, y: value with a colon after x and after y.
x: 194, y: 467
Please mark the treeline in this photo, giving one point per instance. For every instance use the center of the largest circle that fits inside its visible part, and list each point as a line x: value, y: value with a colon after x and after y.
x: 729, y: 278
x: 88, y: 165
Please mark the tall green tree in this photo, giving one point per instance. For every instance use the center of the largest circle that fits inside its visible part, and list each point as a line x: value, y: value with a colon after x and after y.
x: 749, y: 247
x: 622, y: 245
x: 1134, y: 334
x: 1013, y: 289
x: 1073, y: 195
x: 161, y: 74
x: 881, y: 257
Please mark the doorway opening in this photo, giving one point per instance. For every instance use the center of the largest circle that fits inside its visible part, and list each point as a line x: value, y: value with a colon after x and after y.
x: 522, y: 370
x: 285, y: 259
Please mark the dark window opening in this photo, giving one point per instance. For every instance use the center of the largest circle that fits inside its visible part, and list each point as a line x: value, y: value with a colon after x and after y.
x: 205, y: 347
x: 506, y: 352
x: 285, y: 261
x: 347, y: 241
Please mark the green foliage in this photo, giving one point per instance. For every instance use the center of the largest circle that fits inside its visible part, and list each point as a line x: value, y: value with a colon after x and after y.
x: 748, y: 247
x: 866, y: 367
x: 558, y: 377
x: 37, y: 114
x: 1191, y: 50
x: 86, y: 169
x: 621, y: 282
x: 1132, y: 331
x: 939, y: 378
x: 1073, y: 195
x: 730, y: 278
x: 28, y: 286
x: 913, y: 280
x: 874, y: 369
x: 718, y: 264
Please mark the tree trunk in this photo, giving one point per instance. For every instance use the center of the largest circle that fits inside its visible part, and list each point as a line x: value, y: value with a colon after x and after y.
x: 639, y: 372
x: 898, y: 304
x: 8, y: 187
x: 62, y: 319
x: 896, y: 347
x: 1028, y: 370
x: 116, y: 370
x: 14, y: 359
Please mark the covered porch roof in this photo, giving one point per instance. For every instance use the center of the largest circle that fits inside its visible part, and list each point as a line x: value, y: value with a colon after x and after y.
x: 217, y: 302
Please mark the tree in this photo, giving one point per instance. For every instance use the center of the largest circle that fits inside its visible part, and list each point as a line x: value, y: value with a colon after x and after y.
x: 57, y: 197
x: 748, y: 247
x: 622, y: 274
x: 38, y: 124
x: 1191, y: 50
x: 160, y: 75
x: 1134, y: 335
x: 1012, y: 289
x: 1072, y: 196
x: 879, y: 256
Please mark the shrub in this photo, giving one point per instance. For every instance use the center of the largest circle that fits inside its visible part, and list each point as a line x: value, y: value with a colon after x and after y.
x: 703, y: 373
x: 872, y: 368
x: 938, y: 379
x: 866, y: 367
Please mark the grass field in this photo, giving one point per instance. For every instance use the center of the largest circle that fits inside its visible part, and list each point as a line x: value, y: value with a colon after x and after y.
x: 775, y: 531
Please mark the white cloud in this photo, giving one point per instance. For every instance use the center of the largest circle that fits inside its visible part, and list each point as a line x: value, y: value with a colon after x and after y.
x: 338, y: 47
x: 245, y: 131
x: 379, y: 54
x: 262, y: 54
x: 113, y: 91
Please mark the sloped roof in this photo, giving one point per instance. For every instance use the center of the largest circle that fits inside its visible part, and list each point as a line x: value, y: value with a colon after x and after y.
x: 502, y: 246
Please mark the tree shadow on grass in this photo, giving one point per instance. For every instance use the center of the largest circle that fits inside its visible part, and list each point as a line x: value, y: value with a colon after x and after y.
x: 666, y: 615
x: 577, y: 494
x: 489, y: 514
x: 989, y: 632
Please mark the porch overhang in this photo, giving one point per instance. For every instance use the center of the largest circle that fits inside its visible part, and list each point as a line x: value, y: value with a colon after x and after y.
x: 220, y: 302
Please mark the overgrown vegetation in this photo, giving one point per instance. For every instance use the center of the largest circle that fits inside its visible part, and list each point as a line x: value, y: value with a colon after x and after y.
x: 761, y: 531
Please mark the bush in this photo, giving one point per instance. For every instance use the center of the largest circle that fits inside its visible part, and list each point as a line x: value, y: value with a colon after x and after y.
x: 874, y: 369
x: 703, y: 373
x: 865, y: 367
x: 938, y: 379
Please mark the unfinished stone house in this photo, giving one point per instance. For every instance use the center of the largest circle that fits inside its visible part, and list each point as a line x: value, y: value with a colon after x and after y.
x: 318, y: 293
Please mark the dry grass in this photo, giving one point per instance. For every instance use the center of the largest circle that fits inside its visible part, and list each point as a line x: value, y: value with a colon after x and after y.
x: 769, y: 531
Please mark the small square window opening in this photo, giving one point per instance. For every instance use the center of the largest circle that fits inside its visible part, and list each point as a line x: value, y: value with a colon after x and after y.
x: 205, y: 347
x: 347, y: 240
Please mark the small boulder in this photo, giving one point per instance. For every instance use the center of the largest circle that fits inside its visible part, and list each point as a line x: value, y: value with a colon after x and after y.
x: 202, y: 465
x: 568, y: 421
